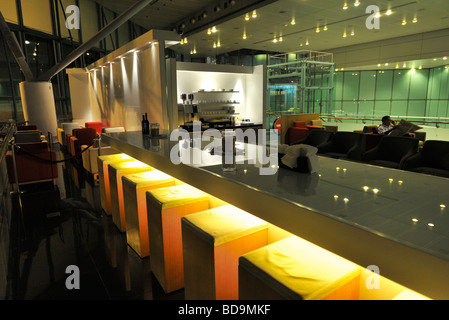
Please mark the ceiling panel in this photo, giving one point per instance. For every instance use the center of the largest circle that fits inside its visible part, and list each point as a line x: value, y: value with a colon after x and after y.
x: 275, y: 19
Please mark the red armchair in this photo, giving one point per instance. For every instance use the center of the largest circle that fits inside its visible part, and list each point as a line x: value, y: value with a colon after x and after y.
x: 30, y: 168
x: 298, y: 132
x: 95, y: 125
x: 83, y: 136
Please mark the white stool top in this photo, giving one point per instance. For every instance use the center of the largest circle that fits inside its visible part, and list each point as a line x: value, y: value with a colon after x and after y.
x: 176, y: 196
x: 147, y: 179
x: 223, y: 224
x: 301, y: 266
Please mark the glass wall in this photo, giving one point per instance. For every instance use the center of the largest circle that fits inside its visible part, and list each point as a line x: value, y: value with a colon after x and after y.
x: 410, y: 94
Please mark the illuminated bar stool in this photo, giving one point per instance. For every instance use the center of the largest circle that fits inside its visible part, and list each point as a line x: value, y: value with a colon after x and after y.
x: 166, y: 207
x: 293, y: 268
x: 410, y: 295
x: 213, y: 241
x: 134, y: 188
x: 103, y: 177
x: 116, y: 171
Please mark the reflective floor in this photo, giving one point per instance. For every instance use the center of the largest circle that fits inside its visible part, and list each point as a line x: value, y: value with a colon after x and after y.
x: 62, y: 225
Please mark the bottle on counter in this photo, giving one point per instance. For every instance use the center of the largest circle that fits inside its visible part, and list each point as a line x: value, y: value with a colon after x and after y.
x: 145, y: 124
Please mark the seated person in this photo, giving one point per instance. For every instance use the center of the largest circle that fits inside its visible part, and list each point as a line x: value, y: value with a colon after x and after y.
x: 387, y: 126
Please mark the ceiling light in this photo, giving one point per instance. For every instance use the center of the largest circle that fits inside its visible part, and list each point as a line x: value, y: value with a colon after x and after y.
x: 356, y: 3
x: 182, y: 41
x: 275, y: 40
x: 352, y: 33
x: 281, y: 39
x: 325, y: 28
x: 420, y: 67
x: 386, y: 64
x: 293, y: 21
x: 345, y: 6
x: 317, y: 29
x: 185, y: 40
x: 415, y: 20
x: 344, y: 34
x: 214, y: 29
x: 404, y: 65
x: 377, y: 15
x: 444, y: 58
x: 404, y: 22
x: 307, y: 42
x: 215, y: 45
x: 218, y: 43
x: 247, y: 17
x: 397, y: 66
x: 254, y: 14
x: 244, y: 36
x: 209, y: 31
x: 27, y: 42
x: 378, y: 65
x: 389, y: 12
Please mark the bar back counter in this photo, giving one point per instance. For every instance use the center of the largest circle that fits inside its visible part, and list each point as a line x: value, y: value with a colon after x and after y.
x: 373, y: 216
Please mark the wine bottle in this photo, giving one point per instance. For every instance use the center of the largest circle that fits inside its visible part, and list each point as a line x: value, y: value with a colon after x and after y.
x: 145, y: 124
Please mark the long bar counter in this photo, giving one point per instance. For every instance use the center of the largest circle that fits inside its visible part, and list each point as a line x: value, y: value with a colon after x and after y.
x: 392, y: 219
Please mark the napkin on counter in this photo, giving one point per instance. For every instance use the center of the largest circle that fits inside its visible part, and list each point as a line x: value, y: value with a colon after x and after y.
x: 292, y: 153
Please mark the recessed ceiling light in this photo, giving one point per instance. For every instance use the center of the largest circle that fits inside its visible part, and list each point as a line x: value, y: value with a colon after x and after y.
x: 345, y: 6
x: 415, y: 20
x: 356, y: 3
x: 389, y: 12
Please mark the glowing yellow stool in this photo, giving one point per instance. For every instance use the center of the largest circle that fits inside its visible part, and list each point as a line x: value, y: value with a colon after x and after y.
x: 134, y: 188
x: 103, y: 177
x: 213, y: 241
x: 410, y: 295
x: 293, y: 268
x: 166, y: 207
x: 116, y: 171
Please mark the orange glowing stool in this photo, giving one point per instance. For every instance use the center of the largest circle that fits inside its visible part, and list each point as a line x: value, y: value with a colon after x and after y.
x: 134, y: 188
x: 116, y: 171
x: 213, y: 241
x: 103, y: 177
x: 166, y: 207
x: 295, y: 269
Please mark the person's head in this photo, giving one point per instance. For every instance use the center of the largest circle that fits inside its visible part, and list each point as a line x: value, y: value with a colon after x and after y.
x: 386, y: 120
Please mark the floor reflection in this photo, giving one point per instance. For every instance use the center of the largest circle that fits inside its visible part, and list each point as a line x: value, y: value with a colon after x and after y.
x: 62, y: 224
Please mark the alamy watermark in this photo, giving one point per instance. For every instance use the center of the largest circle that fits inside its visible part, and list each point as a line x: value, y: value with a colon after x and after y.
x: 73, y: 280
x: 189, y: 149
x: 373, y: 21
x: 73, y: 21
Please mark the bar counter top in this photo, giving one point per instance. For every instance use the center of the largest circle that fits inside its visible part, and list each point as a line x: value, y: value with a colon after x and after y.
x: 393, y: 219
